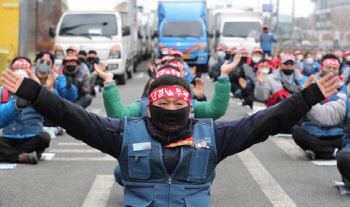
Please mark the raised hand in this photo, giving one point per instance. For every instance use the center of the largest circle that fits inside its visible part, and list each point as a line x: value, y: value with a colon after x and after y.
x: 32, y: 76
x: 193, y: 70
x: 308, y: 82
x: 327, y: 86
x: 106, y: 76
x: 198, y: 91
x: 242, y: 82
x: 260, y: 76
x: 227, y: 68
x: 50, y: 80
x: 11, y: 81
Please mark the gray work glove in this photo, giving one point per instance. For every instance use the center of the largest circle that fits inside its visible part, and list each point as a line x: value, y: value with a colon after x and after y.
x: 21, y: 103
x: 292, y: 89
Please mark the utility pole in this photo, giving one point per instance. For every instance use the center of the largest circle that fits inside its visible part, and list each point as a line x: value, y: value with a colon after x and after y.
x: 293, y: 21
x: 277, y: 16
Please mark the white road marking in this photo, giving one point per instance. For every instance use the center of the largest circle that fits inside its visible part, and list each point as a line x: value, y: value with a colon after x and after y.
x: 105, y: 158
x: 289, y: 147
x: 99, y: 191
x: 74, y: 151
x: 273, y: 191
x: 72, y: 144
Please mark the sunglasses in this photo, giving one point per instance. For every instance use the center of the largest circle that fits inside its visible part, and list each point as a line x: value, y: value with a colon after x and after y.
x: 47, y: 62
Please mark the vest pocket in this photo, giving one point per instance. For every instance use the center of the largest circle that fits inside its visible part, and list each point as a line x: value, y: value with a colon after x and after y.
x: 139, y: 163
x: 199, y: 164
x: 138, y: 196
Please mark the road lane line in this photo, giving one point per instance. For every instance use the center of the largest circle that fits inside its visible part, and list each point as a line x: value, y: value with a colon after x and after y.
x: 105, y: 158
x: 72, y: 144
x: 289, y: 147
x: 99, y: 191
x: 74, y: 151
x: 273, y: 191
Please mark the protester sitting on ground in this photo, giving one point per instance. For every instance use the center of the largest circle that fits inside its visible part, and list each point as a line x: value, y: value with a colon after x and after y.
x: 214, y: 109
x: 220, y: 59
x: 269, y: 89
x: 318, y: 57
x: 309, y: 65
x: 190, y: 72
x: 80, y: 78
x: 340, y: 57
x: 345, y: 70
x: 299, y: 58
x: 168, y: 150
x: 235, y: 74
x: 23, y: 138
x: 318, y: 141
x: 82, y: 55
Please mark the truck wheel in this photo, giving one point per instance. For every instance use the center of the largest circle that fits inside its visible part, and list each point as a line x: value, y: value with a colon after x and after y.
x: 121, y: 79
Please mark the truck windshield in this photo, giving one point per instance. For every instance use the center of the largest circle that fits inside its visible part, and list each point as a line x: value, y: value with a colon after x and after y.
x: 182, y: 29
x: 241, y: 29
x: 89, y: 25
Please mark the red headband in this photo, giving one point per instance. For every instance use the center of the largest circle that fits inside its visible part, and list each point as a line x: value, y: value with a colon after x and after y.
x: 169, y: 92
x: 168, y: 71
x: 330, y: 62
x: 46, y: 56
x: 22, y: 62
x: 178, y: 65
x: 264, y: 64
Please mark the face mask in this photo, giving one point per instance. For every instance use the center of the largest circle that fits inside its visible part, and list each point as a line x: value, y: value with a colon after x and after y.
x: 348, y: 58
x: 82, y: 60
x: 324, y: 73
x: 288, y: 71
x: 170, y: 122
x: 21, y: 73
x: 227, y: 56
x: 318, y: 56
x: 243, y: 60
x: 256, y: 59
x: 90, y: 59
x: 299, y: 57
x: 340, y: 59
x: 71, y: 69
x: 309, y: 60
x: 265, y: 71
x: 43, y: 67
x: 282, y: 54
x: 221, y: 54
x: 233, y: 56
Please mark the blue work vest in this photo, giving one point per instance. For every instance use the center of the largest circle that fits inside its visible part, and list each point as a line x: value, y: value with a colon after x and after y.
x: 29, y: 124
x: 145, y: 178
x: 325, y: 131
x: 145, y: 101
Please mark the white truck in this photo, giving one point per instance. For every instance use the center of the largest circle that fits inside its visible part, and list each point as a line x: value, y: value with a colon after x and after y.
x: 106, y: 26
x: 237, y: 28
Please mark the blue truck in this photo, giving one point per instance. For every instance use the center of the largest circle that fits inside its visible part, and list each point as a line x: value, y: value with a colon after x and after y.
x: 183, y: 24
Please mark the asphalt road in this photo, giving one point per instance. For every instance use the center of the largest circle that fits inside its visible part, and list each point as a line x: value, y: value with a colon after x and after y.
x: 273, y: 173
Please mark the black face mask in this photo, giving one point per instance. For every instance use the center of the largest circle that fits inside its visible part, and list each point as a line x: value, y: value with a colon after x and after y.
x: 233, y: 56
x: 90, y: 59
x: 243, y: 60
x: 227, y: 57
x: 324, y: 73
x: 288, y: 71
x: 82, y: 60
x: 71, y: 69
x: 169, y: 122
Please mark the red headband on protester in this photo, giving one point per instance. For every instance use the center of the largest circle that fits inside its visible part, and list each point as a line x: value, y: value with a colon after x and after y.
x: 22, y: 62
x: 168, y: 71
x: 330, y: 62
x: 178, y: 65
x: 46, y: 55
x: 264, y: 64
x: 169, y: 92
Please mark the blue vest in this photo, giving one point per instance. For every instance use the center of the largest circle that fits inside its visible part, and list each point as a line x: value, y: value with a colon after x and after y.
x: 29, y: 124
x: 326, y: 131
x: 266, y: 41
x: 145, y: 178
x: 310, y: 69
x: 145, y: 101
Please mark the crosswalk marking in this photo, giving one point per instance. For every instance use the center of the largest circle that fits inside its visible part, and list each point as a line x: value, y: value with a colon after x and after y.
x: 74, y: 151
x: 289, y: 147
x: 72, y: 144
x: 273, y: 191
x: 99, y: 192
x: 105, y: 158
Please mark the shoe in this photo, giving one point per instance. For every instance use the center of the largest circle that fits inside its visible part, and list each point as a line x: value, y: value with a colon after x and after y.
x: 59, y: 131
x: 28, y: 158
x: 310, y: 154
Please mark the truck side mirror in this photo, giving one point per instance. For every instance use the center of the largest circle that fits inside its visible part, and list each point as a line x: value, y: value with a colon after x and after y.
x: 126, y: 31
x: 52, y: 32
x: 217, y: 33
x: 155, y: 34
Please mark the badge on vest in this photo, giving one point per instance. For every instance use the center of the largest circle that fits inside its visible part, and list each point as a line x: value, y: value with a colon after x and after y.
x: 141, y: 146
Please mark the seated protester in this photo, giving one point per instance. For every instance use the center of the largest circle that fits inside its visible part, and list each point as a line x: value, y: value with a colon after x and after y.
x: 56, y: 83
x: 319, y: 56
x: 228, y: 55
x: 339, y: 55
x: 82, y: 55
x: 168, y: 150
x: 298, y: 60
x: 249, y: 69
x: 247, y: 83
x: 235, y: 74
x: 23, y: 138
x: 319, y: 141
x: 269, y: 89
x: 345, y: 70
x: 189, y: 72
x: 78, y: 77
x: 277, y: 60
x: 214, y: 109
x: 73, y: 51
x: 220, y: 59
x: 234, y: 51
x: 309, y: 65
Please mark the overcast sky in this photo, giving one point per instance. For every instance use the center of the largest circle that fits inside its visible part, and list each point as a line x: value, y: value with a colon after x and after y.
x: 303, y: 8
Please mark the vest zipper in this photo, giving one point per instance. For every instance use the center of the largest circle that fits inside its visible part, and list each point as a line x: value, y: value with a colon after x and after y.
x: 169, y: 190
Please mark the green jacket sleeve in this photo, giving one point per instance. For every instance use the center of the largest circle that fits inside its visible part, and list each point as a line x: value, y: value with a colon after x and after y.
x: 114, y: 107
x: 217, y: 107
